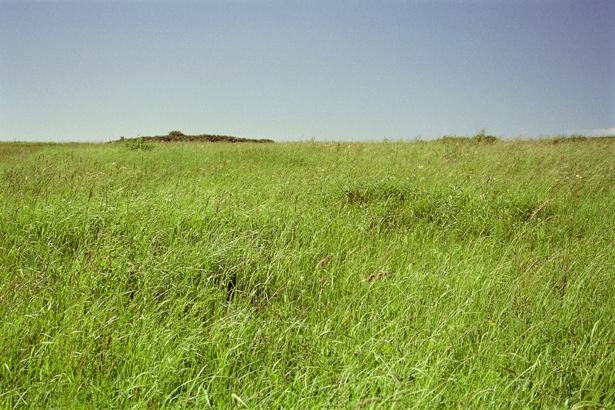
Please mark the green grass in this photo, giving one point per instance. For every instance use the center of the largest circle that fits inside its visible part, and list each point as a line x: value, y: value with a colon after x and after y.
x: 461, y: 274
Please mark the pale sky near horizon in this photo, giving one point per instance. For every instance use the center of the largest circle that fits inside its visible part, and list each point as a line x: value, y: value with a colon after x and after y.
x: 288, y: 70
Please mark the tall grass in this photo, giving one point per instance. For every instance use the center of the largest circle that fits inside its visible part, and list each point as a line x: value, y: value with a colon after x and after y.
x: 308, y: 275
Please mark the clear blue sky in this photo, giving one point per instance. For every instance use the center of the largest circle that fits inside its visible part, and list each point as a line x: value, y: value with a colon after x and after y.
x: 96, y: 70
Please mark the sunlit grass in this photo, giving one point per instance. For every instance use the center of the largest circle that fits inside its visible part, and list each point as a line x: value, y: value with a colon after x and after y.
x: 449, y: 273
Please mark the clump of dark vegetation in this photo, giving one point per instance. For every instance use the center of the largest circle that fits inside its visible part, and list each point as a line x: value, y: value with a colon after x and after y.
x: 176, y: 133
x: 481, y: 138
x: 178, y: 136
x: 572, y: 138
x: 139, y: 144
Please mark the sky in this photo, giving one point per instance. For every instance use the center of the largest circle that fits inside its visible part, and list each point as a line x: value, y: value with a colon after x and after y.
x: 296, y: 70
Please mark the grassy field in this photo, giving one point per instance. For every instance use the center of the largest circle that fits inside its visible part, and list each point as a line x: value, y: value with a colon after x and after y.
x: 423, y: 274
